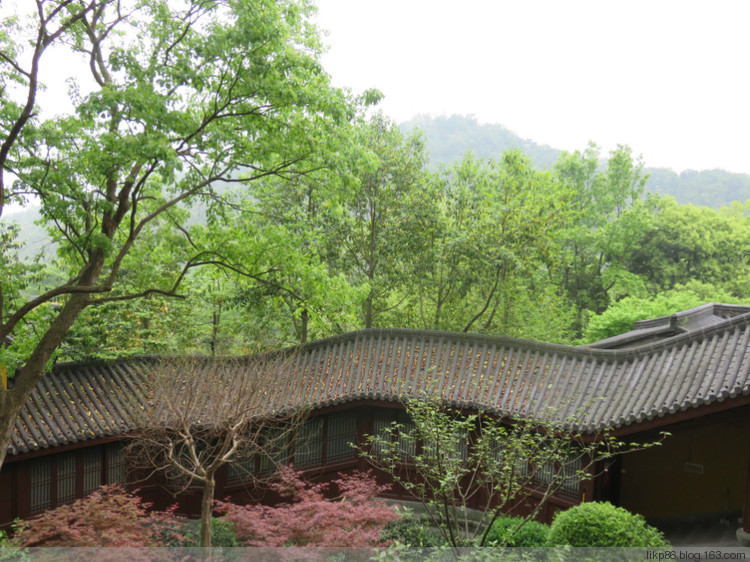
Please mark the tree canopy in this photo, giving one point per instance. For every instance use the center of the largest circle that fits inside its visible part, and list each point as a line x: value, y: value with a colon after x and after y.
x: 181, y: 96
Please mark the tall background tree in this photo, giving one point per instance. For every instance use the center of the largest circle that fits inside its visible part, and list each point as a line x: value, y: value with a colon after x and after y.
x: 588, y: 268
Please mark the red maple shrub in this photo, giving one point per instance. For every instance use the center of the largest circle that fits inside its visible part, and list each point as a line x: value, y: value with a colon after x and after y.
x: 355, y: 519
x: 109, y: 516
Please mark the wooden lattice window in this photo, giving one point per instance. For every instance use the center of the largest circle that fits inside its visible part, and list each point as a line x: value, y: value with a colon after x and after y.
x: 341, y: 433
x: 92, y: 469
x: 385, y: 419
x: 276, y: 446
x: 240, y: 470
x: 66, y: 478
x: 41, y: 485
x: 115, y: 454
x: 308, y: 444
x: 60, y: 479
x: 569, y: 472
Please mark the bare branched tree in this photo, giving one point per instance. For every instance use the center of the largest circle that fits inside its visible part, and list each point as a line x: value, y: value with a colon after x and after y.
x: 200, y: 414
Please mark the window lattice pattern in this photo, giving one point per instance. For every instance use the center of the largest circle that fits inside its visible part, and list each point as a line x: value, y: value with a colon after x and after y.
x: 571, y: 483
x: 62, y: 478
x: 308, y: 444
x: 277, y: 451
x: 92, y: 470
x: 115, y: 463
x: 342, y: 431
x: 41, y: 484
x: 385, y: 420
x: 66, y: 478
x: 240, y: 471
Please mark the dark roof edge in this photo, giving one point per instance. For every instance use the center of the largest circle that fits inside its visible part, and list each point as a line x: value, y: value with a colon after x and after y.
x: 680, y: 339
x: 155, y: 358
x: 701, y: 310
x: 580, y: 351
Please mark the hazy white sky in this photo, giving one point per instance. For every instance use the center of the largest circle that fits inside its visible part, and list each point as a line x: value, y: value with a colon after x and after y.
x: 670, y: 78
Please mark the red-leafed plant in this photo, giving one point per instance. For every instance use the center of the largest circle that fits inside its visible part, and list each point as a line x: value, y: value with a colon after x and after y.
x: 355, y: 519
x: 110, y: 516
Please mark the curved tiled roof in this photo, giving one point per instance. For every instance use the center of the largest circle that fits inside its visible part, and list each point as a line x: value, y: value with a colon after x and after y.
x: 598, y: 387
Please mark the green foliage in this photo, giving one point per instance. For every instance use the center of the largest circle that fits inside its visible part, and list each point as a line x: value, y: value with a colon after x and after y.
x: 380, y: 223
x: 597, y: 235
x: 679, y: 243
x: 122, y: 329
x: 518, y: 532
x: 597, y: 524
x: 222, y: 533
x: 484, y: 231
x: 183, y: 98
x: 620, y: 316
x: 19, y: 277
x: 412, y: 531
x: 291, y: 234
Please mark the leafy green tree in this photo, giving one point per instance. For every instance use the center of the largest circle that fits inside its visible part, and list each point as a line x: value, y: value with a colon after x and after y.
x: 601, y: 199
x: 486, y: 230
x: 378, y: 225
x: 183, y: 96
x: 19, y: 277
x: 679, y: 243
x: 298, y: 223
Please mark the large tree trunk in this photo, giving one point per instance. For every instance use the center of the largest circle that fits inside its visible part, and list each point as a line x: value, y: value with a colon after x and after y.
x: 27, y: 377
x: 10, y: 408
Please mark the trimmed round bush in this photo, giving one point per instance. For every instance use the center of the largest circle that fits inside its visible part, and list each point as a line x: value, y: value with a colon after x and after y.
x: 602, y: 524
x: 531, y: 534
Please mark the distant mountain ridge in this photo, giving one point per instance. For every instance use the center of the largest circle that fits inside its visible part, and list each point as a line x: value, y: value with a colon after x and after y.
x: 448, y: 138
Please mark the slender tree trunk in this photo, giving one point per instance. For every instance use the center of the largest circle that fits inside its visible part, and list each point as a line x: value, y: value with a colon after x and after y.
x: 368, y: 311
x: 209, y: 484
x: 304, y: 322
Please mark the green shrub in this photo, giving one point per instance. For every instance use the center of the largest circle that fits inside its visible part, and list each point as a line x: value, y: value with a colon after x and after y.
x: 412, y: 531
x: 602, y: 524
x: 222, y: 533
x: 503, y: 533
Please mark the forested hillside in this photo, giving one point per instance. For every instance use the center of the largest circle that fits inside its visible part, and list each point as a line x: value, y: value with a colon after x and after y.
x: 448, y: 138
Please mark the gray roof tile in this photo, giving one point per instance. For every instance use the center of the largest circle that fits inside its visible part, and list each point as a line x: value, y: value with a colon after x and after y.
x: 602, y: 387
